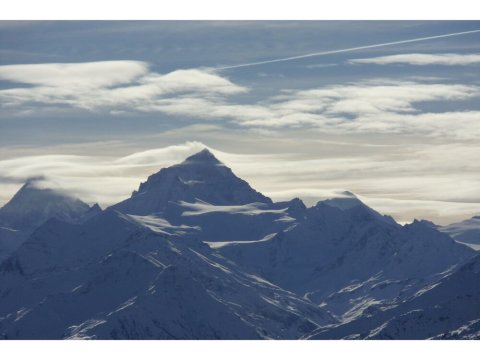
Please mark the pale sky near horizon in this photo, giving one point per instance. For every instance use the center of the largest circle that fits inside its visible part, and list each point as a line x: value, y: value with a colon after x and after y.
x: 96, y: 107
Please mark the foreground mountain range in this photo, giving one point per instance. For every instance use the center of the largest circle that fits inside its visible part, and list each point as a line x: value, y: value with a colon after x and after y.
x: 196, y: 253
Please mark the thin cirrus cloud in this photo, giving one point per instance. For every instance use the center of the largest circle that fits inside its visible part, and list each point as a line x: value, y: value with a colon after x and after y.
x: 421, y: 59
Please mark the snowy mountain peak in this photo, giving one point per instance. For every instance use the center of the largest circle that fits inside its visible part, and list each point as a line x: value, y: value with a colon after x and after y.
x: 345, y: 200
x: 201, y: 177
x: 202, y: 157
x: 348, y: 202
x: 32, y: 206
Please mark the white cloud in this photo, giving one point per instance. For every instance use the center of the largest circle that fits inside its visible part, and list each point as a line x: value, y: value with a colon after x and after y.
x: 381, y: 95
x: 89, y: 75
x: 422, y: 59
x: 363, y: 107
x: 162, y: 156
x: 379, y: 106
x: 114, y: 85
x: 455, y: 126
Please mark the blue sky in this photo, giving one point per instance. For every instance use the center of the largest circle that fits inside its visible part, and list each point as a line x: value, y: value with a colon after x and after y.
x: 97, y: 106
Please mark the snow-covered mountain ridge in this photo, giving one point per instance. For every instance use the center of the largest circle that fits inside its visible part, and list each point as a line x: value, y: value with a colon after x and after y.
x: 467, y: 231
x: 196, y: 253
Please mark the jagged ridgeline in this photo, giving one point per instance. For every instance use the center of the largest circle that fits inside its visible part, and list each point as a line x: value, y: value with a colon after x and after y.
x: 197, y: 253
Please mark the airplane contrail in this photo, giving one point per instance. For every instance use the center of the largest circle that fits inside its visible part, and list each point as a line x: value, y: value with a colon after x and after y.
x: 330, y: 52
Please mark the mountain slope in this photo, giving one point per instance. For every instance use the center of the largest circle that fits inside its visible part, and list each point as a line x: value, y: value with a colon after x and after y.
x: 447, y: 308
x: 346, y: 258
x: 117, y: 277
x: 227, y: 223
